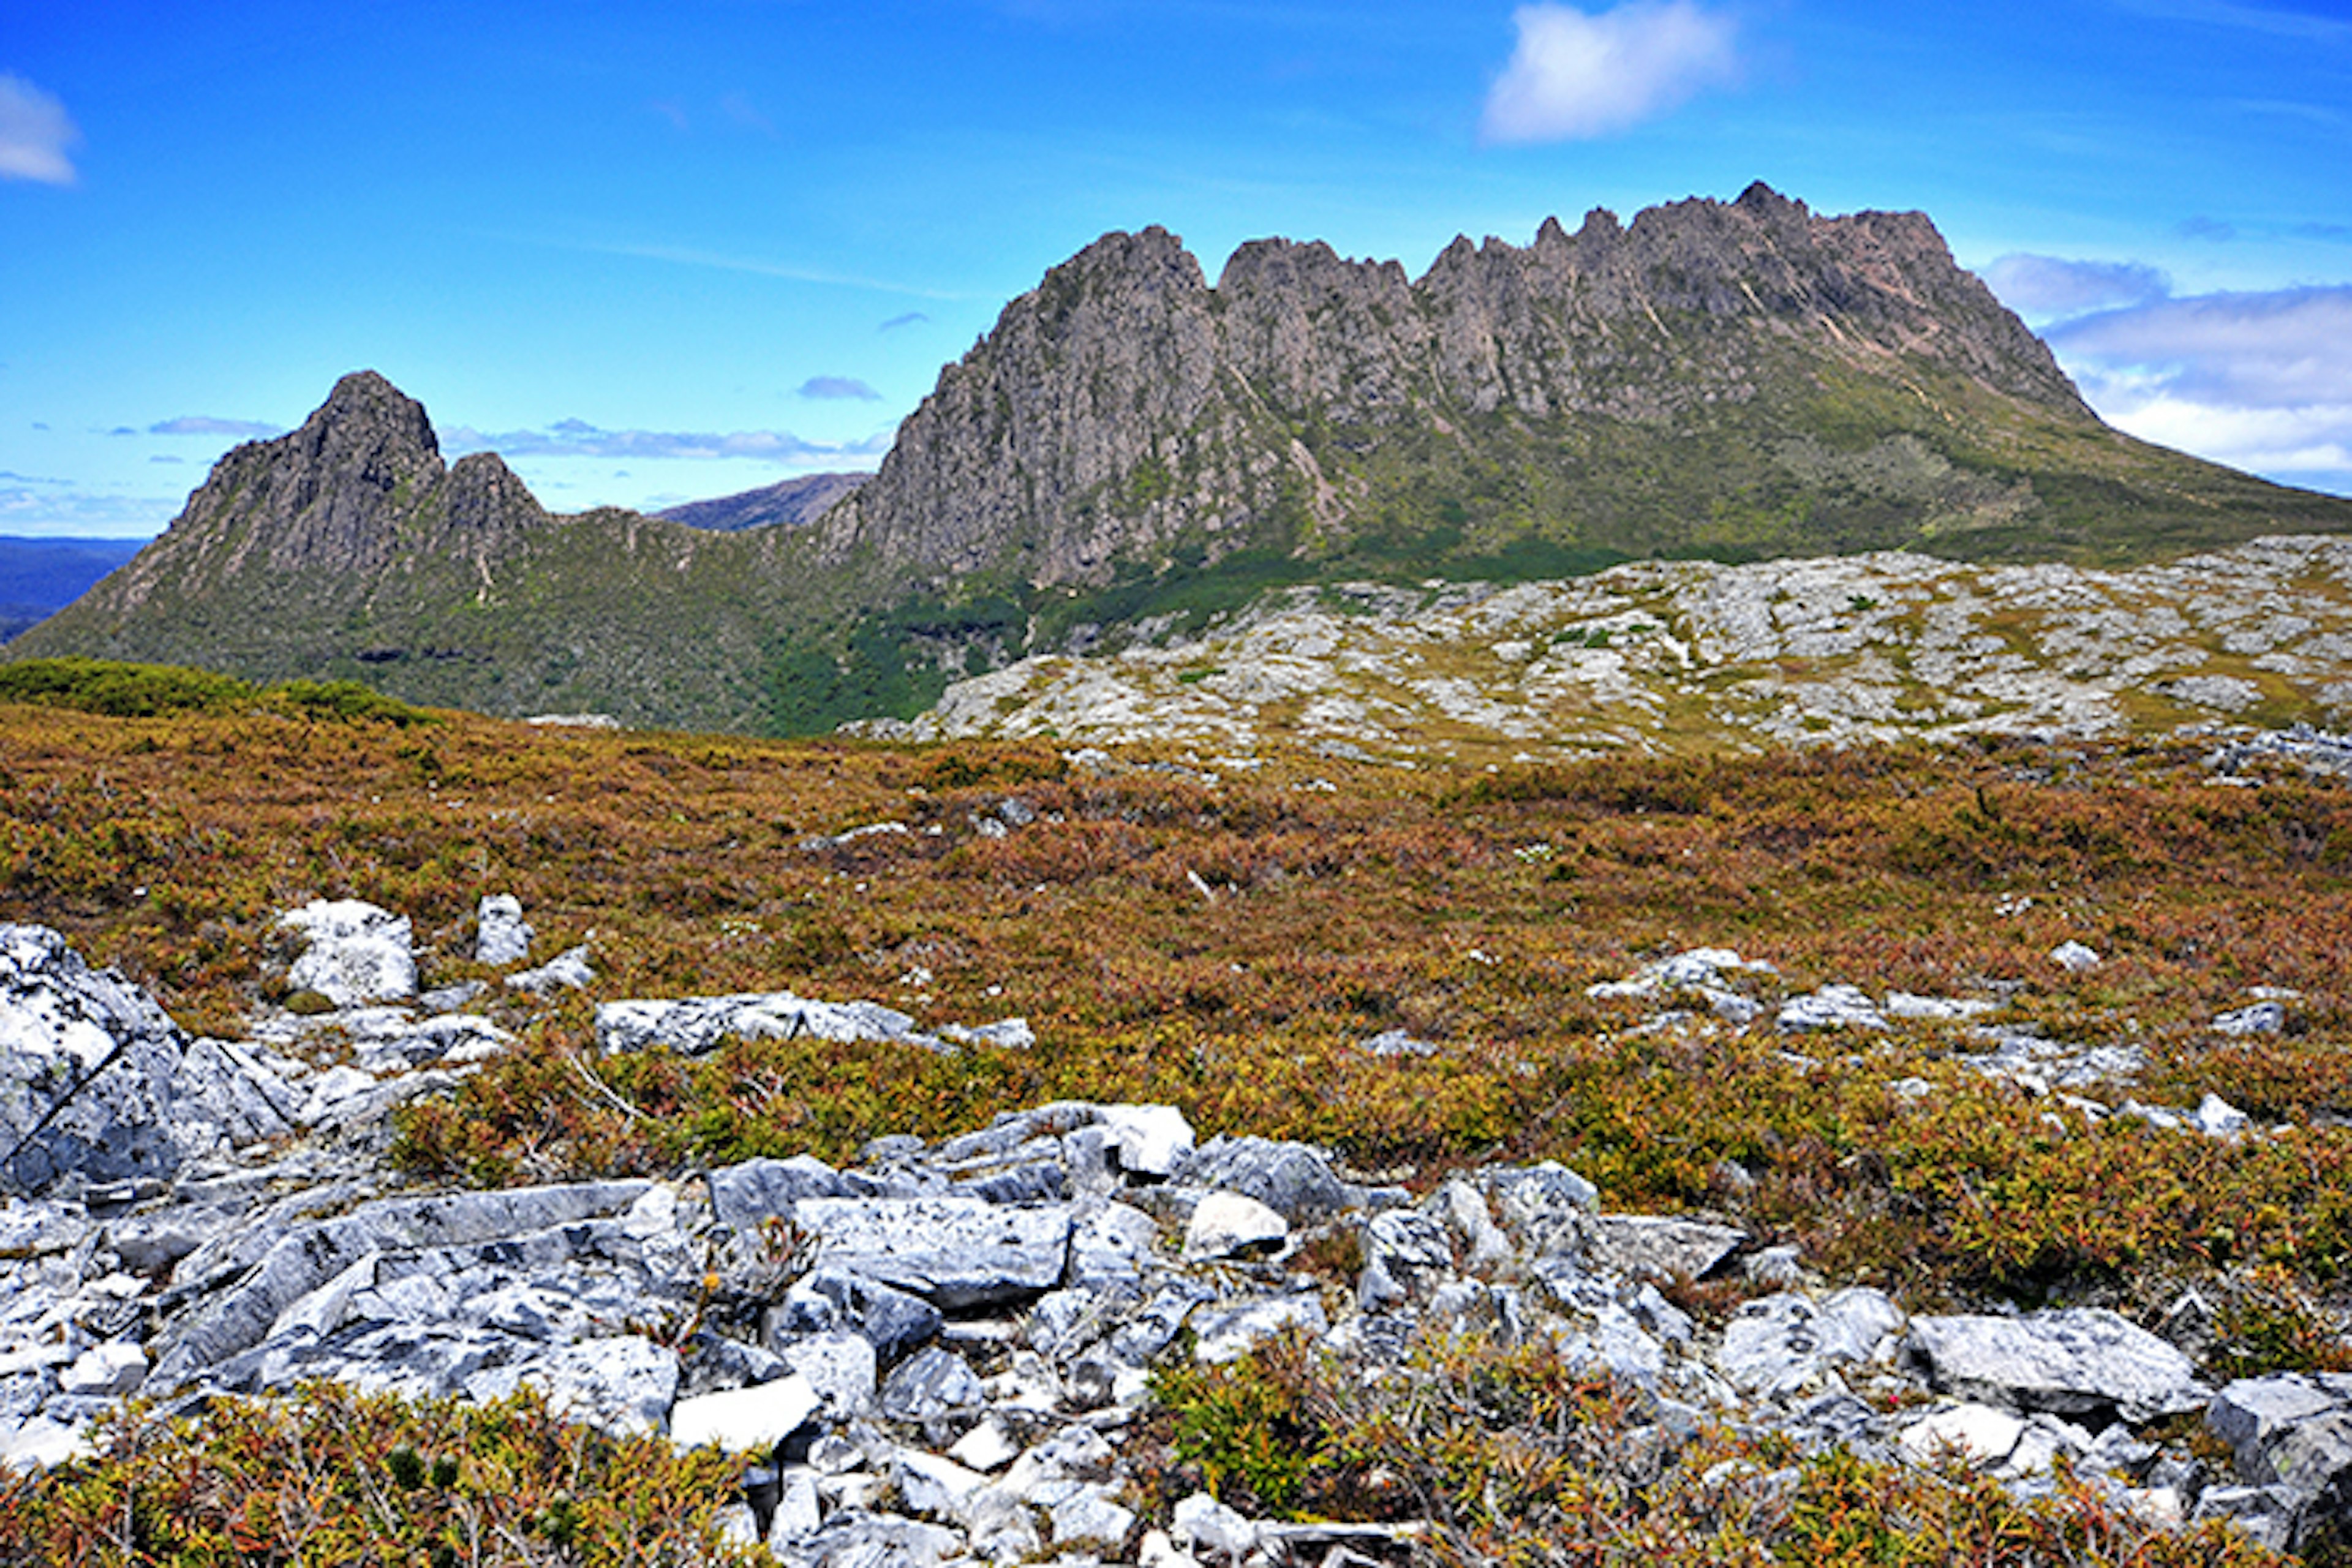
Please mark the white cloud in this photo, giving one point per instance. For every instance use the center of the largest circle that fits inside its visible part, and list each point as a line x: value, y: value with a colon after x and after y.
x: 578, y: 439
x: 2289, y: 348
x: 35, y: 135
x: 2045, y: 286
x: 2260, y: 381
x: 1576, y: 75
x: 839, y: 386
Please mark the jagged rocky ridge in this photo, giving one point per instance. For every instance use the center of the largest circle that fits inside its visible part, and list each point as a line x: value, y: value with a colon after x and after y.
x: 940, y: 1353
x: 1131, y: 447
x: 1745, y: 376
x: 349, y: 549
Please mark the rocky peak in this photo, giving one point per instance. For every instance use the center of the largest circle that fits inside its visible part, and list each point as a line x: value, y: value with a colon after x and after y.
x: 326, y: 495
x: 1124, y: 404
x: 485, y: 501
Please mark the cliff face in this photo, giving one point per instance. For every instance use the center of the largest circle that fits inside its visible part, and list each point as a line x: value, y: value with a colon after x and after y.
x: 1125, y: 403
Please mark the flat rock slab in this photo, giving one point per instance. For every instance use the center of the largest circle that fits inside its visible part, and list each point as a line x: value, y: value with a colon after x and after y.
x: 954, y: 1252
x: 1658, y: 1247
x: 692, y: 1025
x: 758, y: 1417
x: 2083, y: 1361
x: 307, y: 1257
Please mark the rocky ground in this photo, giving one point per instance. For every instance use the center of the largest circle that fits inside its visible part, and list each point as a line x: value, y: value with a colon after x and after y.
x: 1672, y: 656
x: 941, y: 1353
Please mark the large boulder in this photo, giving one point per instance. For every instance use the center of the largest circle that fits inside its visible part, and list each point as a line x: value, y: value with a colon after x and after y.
x: 86, y: 1068
x: 954, y: 1252
x: 2082, y: 1361
x: 2291, y: 1434
x: 354, y: 953
x: 97, y: 1083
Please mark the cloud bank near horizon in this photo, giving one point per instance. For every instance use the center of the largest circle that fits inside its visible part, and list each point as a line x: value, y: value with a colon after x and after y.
x: 2260, y: 380
x: 1575, y: 76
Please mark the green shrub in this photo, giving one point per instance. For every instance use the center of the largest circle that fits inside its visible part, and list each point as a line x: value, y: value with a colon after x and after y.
x: 345, y: 702
x: 118, y: 689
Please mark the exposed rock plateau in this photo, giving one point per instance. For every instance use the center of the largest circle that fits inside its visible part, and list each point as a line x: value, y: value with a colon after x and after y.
x: 1693, y: 654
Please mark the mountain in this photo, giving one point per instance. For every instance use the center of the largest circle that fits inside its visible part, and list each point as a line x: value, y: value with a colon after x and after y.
x: 1739, y: 379
x: 785, y: 505
x: 1132, y: 452
x: 38, y: 576
x: 349, y: 549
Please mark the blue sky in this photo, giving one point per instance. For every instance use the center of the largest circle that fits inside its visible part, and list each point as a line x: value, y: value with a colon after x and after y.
x: 659, y: 253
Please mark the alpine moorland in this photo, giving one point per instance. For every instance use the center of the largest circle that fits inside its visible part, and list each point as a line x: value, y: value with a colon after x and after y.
x: 1999, y: 1032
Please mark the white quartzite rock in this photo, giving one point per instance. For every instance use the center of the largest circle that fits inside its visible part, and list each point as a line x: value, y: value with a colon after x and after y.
x: 1659, y: 1246
x: 357, y: 954
x: 96, y: 1081
x: 694, y: 1024
x: 2262, y: 1018
x: 1781, y: 1346
x: 2074, y: 956
x: 757, y: 1418
x: 1227, y: 1225
x: 500, y: 935
x: 1831, y: 1007
x: 1151, y: 1140
x: 567, y: 970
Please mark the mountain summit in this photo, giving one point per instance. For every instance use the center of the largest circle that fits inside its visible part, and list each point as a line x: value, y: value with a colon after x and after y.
x: 1132, y: 450
x: 1742, y: 378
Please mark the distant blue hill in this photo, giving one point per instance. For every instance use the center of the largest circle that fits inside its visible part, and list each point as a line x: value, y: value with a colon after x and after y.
x: 41, y: 576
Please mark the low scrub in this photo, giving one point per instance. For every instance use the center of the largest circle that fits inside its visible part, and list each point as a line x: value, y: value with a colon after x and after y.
x: 1512, y: 1458
x: 332, y: 1478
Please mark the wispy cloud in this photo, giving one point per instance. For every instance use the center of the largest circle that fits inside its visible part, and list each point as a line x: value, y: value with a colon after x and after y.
x: 36, y: 135
x: 578, y: 439
x: 2203, y: 228
x: 744, y: 115
x: 2046, y: 286
x: 1576, y: 75
x: 839, y: 386
x: 208, y: 425
x: 2260, y: 381
x: 687, y: 255
x: 2278, y: 21
x: 912, y: 319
